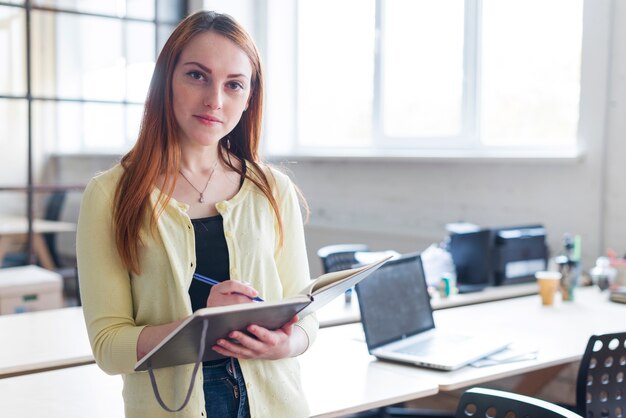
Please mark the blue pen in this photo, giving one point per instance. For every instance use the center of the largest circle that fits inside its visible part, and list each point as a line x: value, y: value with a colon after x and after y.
x: 212, y: 282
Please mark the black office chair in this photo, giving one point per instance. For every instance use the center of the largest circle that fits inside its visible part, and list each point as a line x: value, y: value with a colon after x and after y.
x: 481, y: 402
x: 339, y: 257
x: 54, y: 206
x: 600, y: 385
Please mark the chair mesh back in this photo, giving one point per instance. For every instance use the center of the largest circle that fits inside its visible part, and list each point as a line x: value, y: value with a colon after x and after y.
x: 339, y: 257
x: 600, y: 387
x: 480, y: 403
x: 339, y: 261
x: 54, y: 206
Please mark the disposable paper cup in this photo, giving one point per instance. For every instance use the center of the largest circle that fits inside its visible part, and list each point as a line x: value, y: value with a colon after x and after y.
x: 548, y: 284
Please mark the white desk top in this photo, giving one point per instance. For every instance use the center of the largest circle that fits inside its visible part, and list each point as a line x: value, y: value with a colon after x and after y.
x: 337, y: 379
x: 559, y: 333
x: 10, y: 225
x: 29, y: 331
x: 75, y: 392
x: 37, y: 341
x: 338, y: 312
x: 340, y: 377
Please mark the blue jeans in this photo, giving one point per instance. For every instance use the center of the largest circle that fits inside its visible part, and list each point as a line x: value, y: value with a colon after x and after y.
x: 225, y: 393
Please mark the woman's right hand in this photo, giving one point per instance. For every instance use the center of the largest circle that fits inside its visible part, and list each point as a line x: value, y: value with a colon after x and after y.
x: 230, y: 292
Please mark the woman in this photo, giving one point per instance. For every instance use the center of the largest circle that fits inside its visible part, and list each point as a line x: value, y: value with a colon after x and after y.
x: 192, y: 196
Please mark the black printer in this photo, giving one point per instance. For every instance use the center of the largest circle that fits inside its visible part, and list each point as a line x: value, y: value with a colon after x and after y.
x: 517, y: 253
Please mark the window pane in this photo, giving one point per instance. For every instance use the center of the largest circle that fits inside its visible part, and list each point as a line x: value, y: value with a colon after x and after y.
x: 69, y: 127
x: 163, y: 33
x: 422, y: 67
x: 530, y: 71
x: 85, y: 57
x: 13, y: 142
x: 334, y: 102
x: 170, y: 11
x: 140, y: 9
x: 12, y: 47
x: 139, y: 60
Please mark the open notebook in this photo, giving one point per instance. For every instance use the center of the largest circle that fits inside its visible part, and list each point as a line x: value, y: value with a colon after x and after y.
x: 398, y: 321
x: 191, y: 340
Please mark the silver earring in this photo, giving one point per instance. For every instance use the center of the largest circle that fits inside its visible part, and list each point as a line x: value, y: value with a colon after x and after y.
x: 227, y: 143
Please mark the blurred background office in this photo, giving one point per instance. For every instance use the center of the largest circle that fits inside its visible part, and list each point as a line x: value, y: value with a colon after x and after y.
x: 395, y: 117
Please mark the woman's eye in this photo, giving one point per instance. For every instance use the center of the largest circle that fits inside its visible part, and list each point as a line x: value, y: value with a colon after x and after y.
x: 196, y: 75
x: 235, y: 85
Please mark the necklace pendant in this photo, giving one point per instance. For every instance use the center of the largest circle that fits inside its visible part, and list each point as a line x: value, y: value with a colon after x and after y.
x: 201, y: 200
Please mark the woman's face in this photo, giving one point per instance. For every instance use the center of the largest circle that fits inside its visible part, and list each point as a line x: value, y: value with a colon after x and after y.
x: 211, y: 88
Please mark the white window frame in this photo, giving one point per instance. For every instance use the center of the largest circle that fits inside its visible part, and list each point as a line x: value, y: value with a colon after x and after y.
x: 279, y: 54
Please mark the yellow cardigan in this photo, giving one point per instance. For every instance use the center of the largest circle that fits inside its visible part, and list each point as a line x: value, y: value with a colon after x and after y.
x: 118, y: 304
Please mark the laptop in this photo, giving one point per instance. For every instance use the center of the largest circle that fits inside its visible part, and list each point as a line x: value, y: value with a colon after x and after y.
x: 398, y: 321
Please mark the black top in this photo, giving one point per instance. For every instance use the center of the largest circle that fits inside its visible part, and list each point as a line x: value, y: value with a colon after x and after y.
x: 211, y: 257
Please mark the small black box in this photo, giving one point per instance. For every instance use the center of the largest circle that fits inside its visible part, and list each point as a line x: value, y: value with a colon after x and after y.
x: 519, y: 252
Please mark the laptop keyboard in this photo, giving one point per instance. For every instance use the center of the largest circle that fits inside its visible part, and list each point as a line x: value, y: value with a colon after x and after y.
x: 444, y: 342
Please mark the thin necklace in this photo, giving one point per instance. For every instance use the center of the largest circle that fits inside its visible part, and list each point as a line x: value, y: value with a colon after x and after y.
x: 201, y: 199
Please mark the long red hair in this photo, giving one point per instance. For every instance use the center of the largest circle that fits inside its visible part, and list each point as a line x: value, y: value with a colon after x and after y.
x: 157, y: 150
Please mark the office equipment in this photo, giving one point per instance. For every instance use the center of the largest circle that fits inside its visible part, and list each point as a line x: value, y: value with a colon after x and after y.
x: 185, y: 344
x: 471, y: 255
x: 600, y: 385
x: 29, y: 288
x: 518, y: 253
x: 398, y: 321
x: 481, y: 402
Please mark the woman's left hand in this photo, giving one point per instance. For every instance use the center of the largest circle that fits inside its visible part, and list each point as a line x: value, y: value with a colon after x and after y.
x: 261, y: 343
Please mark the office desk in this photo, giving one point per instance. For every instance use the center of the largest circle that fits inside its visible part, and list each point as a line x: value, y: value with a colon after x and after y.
x: 75, y: 392
x: 38, y: 341
x: 36, y: 344
x: 559, y: 332
x: 13, y: 235
x: 340, y: 377
x: 337, y: 381
x: 338, y: 312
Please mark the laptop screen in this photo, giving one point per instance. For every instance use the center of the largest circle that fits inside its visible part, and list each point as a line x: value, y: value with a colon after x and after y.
x: 394, y: 302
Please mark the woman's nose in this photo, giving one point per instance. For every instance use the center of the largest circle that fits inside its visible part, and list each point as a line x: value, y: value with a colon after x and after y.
x: 213, y: 98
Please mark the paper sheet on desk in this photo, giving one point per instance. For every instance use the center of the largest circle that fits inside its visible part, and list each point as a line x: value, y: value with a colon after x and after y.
x: 510, y: 354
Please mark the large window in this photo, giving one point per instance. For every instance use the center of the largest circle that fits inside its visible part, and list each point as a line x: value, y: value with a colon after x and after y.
x: 373, y: 76
x: 73, y: 78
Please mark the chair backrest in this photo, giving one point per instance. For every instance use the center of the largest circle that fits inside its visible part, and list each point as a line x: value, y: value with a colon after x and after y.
x: 339, y: 257
x: 600, y: 386
x: 481, y: 402
x: 54, y: 207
